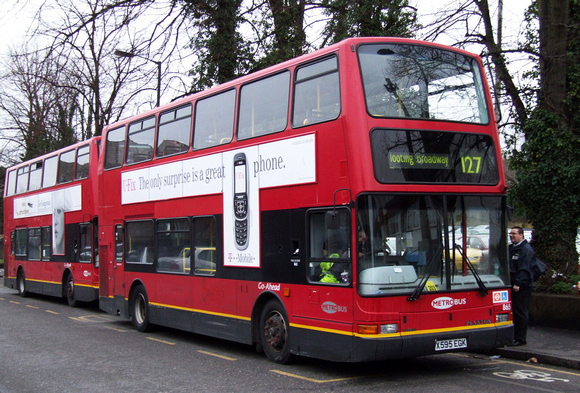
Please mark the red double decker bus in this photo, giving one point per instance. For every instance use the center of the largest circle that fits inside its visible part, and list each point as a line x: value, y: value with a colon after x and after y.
x: 50, y: 223
x: 322, y: 207
x: 330, y: 206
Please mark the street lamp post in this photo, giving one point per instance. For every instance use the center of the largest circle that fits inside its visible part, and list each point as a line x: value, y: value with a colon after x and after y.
x: 121, y: 53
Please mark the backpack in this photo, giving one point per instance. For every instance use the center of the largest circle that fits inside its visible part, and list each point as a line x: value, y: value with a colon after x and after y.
x: 538, y: 268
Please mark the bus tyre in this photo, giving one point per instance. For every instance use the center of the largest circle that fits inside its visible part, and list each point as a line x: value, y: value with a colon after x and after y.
x: 140, y: 309
x: 274, y: 333
x: 21, y: 283
x: 69, y: 291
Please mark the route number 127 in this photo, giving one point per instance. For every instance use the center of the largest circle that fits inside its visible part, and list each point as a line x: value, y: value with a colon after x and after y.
x: 471, y: 164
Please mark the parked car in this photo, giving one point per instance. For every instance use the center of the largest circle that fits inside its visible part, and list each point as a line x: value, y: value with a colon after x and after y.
x: 476, y: 250
x: 204, y: 261
x: 177, y: 263
x: 479, y: 230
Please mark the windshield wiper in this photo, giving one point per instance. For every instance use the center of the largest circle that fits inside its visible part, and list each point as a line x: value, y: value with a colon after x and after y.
x: 482, y: 287
x: 432, y: 265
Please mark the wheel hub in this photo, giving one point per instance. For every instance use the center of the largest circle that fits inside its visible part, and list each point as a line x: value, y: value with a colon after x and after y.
x: 275, y: 331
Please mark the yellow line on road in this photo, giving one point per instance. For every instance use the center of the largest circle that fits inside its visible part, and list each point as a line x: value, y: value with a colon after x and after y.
x: 117, y: 329
x: 161, y: 341
x: 217, y: 356
x: 29, y: 306
x: 313, y: 379
x: 92, y: 318
x: 15, y: 302
x: 52, y: 312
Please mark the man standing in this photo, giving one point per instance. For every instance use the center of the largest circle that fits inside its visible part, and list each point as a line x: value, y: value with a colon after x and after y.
x: 522, y: 256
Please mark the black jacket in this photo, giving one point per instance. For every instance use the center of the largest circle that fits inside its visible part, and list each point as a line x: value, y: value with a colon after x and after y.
x: 521, y: 258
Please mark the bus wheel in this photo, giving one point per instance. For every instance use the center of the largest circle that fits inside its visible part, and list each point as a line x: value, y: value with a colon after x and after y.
x: 274, y: 334
x: 21, y: 283
x: 140, y: 309
x: 69, y: 291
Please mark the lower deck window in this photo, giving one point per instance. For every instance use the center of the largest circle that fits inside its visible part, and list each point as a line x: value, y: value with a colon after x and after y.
x: 205, y: 245
x: 174, y: 245
x: 34, y: 244
x: 329, y: 260
x: 139, y: 242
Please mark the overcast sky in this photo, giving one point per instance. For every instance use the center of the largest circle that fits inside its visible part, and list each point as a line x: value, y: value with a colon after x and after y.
x: 18, y: 16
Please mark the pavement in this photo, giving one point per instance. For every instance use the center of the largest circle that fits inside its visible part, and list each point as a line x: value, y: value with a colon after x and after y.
x: 547, y: 345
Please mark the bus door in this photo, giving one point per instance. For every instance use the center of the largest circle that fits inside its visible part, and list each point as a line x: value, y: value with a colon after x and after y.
x: 329, y: 296
x: 104, y: 272
x: 114, y: 268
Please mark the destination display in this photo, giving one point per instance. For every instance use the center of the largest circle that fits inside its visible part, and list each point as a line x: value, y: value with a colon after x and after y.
x: 403, y: 156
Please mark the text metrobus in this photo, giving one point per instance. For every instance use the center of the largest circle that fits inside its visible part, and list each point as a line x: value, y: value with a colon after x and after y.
x: 322, y: 207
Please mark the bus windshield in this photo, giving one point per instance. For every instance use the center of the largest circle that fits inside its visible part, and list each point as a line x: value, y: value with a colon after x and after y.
x: 451, y: 242
x: 422, y: 82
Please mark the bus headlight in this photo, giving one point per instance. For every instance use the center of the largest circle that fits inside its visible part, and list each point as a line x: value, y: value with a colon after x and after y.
x: 389, y: 328
x: 502, y: 318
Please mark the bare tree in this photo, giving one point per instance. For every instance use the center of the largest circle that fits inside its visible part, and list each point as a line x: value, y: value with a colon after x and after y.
x: 471, y: 23
x: 88, y: 34
x: 39, y: 104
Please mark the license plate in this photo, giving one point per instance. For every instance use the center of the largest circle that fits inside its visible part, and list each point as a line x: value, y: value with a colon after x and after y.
x: 445, y: 345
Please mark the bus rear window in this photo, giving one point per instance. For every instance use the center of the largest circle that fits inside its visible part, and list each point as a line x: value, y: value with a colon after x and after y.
x: 401, y: 156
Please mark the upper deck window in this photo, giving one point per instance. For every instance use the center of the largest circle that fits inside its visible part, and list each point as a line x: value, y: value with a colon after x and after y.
x: 115, y: 148
x: 422, y: 82
x: 214, y: 120
x: 141, y: 141
x: 264, y: 106
x: 22, y: 180
x: 66, y: 167
x: 174, y: 132
x: 49, y: 175
x: 316, y: 93
x: 11, y: 183
x: 82, y: 169
x: 35, y: 180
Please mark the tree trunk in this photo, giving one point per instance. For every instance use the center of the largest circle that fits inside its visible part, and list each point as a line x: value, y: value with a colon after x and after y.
x: 553, y: 32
